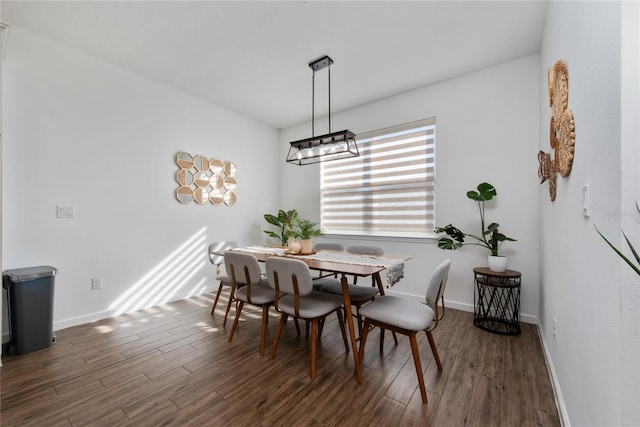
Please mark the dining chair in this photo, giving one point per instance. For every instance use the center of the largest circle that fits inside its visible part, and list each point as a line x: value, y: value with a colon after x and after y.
x: 359, y: 295
x: 247, y: 286
x: 365, y: 250
x: 326, y: 246
x: 409, y: 317
x: 217, y: 259
x: 294, y: 296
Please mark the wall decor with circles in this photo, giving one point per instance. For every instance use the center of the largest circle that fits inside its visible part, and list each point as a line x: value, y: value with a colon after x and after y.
x: 203, y: 180
x: 562, y: 130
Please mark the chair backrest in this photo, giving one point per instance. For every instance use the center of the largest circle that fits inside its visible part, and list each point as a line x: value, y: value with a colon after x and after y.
x: 328, y: 246
x: 285, y: 274
x: 220, y: 247
x: 242, y: 267
x: 435, y: 290
x: 365, y: 250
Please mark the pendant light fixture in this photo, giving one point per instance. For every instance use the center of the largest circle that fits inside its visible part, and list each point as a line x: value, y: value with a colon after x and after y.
x: 331, y: 146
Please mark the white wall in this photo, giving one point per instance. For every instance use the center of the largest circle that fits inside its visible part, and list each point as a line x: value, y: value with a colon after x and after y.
x: 585, y: 287
x: 487, y: 125
x: 79, y: 131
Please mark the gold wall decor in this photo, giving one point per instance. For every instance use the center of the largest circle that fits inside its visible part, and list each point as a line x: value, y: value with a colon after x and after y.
x: 546, y: 171
x: 562, y: 135
x: 205, y: 181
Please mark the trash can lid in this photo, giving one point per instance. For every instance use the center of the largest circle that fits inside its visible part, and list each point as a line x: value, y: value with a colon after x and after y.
x: 30, y: 273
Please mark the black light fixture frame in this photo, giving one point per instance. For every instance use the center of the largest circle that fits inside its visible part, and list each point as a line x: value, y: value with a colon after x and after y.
x: 331, y: 146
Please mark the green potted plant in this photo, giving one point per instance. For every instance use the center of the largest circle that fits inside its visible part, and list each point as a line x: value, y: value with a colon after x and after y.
x: 285, y: 221
x: 307, y: 230
x: 489, y: 236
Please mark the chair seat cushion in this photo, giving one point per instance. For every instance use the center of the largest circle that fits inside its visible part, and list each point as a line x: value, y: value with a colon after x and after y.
x: 224, y: 279
x: 356, y: 293
x: 261, y: 293
x: 399, y: 312
x: 319, y: 282
x: 314, y: 305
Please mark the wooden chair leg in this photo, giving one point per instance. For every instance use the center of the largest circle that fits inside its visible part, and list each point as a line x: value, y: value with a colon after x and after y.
x: 363, y: 339
x: 235, y: 320
x: 263, y: 331
x: 283, y: 320
x: 226, y: 313
x: 381, y: 340
x: 432, y: 343
x: 416, y: 361
x: 314, y: 328
x: 295, y: 320
x: 344, y: 332
x: 215, y: 301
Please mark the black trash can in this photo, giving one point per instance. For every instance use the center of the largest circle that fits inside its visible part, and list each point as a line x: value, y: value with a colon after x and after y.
x: 30, y: 302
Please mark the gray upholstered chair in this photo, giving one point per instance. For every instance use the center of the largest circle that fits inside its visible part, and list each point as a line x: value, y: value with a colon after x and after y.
x: 215, y: 257
x: 409, y: 317
x: 359, y: 295
x: 248, y: 287
x: 366, y: 250
x: 326, y: 246
x: 294, y: 296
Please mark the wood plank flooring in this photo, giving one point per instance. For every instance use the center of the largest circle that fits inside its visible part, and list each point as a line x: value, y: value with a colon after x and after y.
x: 172, y: 366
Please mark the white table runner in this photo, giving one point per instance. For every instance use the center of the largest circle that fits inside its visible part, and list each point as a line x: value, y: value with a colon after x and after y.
x: 394, y: 267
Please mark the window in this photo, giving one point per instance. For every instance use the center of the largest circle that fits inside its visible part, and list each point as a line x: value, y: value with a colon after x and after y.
x: 386, y: 191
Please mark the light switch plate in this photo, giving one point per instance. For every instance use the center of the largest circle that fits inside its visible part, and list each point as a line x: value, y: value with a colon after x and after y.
x: 585, y: 201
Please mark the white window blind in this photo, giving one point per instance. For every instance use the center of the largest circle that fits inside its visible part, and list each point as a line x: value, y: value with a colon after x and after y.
x: 389, y: 189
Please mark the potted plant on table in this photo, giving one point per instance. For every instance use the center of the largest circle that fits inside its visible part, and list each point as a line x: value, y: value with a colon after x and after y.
x: 489, y: 237
x: 307, y: 230
x: 285, y: 221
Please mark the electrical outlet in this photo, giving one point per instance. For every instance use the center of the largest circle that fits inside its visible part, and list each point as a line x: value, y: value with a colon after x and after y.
x: 96, y: 283
x: 65, y: 211
x: 555, y: 329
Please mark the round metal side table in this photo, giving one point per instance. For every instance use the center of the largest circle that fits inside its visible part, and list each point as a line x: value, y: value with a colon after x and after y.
x: 497, y: 301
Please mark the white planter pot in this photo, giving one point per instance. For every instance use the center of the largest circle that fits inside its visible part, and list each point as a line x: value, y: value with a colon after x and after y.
x: 293, y: 246
x: 306, y: 246
x: 498, y: 263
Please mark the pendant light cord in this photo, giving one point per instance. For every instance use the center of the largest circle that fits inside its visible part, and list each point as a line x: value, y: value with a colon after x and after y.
x: 313, y: 104
x: 329, y: 69
x: 313, y: 101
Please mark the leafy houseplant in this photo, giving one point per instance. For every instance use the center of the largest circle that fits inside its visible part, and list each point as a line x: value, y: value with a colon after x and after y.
x: 489, y: 237
x: 285, y: 221
x: 306, y: 230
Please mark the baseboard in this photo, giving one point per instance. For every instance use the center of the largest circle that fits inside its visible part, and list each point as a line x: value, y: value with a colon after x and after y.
x: 557, y: 391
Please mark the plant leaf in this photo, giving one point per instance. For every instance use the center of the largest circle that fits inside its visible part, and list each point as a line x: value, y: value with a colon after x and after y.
x: 633, y: 250
x: 487, y: 191
x: 627, y: 260
x: 272, y: 219
x: 448, y: 244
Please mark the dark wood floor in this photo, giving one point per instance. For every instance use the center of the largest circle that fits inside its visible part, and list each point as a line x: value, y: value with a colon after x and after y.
x: 172, y: 365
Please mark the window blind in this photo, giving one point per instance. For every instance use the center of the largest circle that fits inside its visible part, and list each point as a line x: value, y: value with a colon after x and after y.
x: 388, y: 190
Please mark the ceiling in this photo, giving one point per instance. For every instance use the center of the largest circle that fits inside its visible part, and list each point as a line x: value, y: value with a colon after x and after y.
x: 252, y: 57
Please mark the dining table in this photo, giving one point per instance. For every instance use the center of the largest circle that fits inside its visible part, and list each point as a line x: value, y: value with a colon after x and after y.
x: 346, y: 265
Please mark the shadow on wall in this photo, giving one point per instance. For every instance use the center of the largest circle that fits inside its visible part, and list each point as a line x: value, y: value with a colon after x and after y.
x: 166, y: 280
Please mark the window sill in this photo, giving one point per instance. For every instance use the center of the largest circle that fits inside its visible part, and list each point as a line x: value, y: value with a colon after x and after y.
x: 430, y: 238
